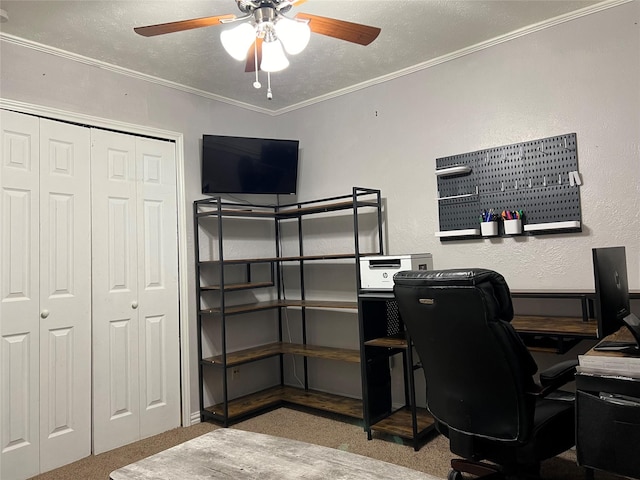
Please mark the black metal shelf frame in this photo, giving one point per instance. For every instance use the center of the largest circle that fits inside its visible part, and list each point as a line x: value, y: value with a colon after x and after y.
x: 219, y: 209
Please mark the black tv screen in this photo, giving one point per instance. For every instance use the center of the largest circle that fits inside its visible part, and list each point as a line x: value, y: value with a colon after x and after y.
x: 612, y: 288
x: 249, y: 165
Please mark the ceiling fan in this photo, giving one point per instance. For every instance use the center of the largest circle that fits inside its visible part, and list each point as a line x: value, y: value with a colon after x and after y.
x: 264, y: 30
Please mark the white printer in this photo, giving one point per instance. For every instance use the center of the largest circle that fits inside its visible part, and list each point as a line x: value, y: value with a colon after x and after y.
x: 376, y: 271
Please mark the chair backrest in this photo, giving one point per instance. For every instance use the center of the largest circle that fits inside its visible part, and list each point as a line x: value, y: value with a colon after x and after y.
x: 477, y: 369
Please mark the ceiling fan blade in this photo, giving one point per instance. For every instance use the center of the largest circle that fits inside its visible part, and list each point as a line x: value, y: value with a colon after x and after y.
x: 162, y: 28
x: 292, y: 3
x: 251, y: 56
x: 351, y: 32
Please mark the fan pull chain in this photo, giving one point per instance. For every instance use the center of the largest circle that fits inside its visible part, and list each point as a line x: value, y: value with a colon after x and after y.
x: 257, y: 83
x: 269, y: 94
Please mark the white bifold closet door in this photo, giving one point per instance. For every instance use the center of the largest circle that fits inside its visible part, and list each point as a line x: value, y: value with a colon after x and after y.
x: 45, y: 288
x: 135, y: 289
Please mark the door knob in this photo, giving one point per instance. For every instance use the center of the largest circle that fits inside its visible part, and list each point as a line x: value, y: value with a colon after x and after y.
x: 134, y: 304
x: 44, y: 313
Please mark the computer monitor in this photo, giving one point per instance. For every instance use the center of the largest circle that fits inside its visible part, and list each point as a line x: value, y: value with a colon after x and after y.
x: 612, y: 288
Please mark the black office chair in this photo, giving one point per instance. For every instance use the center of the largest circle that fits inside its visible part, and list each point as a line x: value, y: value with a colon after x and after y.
x: 480, y: 375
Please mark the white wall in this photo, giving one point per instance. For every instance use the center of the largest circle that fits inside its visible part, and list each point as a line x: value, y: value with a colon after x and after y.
x: 582, y: 76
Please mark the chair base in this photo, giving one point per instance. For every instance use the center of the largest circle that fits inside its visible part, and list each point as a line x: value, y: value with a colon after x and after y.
x: 479, y: 469
x: 488, y: 471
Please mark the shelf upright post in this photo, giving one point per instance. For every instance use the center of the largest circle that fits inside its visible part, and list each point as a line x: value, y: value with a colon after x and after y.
x: 196, y: 228
x: 276, y: 267
x: 410, y: 388
x: 223, y: 320
x: 303, y: 311
x: 379, y: 204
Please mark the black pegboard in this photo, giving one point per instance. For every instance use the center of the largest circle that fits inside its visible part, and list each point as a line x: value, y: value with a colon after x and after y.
x: 531, y: 176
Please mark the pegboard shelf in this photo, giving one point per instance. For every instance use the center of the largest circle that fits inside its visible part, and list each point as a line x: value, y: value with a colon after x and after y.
x: 454, y: 170
x: 467, y: 232
x: 550, y: 226
x: 533, y: 176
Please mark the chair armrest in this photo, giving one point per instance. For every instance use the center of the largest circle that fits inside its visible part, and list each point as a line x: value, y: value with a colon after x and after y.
x: 556, y: 376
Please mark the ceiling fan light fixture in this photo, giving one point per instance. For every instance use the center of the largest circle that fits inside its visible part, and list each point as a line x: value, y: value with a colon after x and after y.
x: 236, y: 41
x: 293, y: 34
x: 273, y: 57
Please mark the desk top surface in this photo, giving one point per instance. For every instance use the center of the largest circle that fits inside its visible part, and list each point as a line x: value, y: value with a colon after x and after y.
x: 235, y: 454
x: 622, y: 335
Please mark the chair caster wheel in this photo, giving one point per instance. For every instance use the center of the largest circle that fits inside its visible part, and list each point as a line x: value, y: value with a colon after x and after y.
x: 454, y: 475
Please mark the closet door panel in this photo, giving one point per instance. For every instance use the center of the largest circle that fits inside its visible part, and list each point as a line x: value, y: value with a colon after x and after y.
x: 65, y: 294
x: 19, y: 289
x: 158, y: 287
x: 116, y: 400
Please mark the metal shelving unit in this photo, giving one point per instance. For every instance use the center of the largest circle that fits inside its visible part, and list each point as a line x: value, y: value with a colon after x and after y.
x: 220, y: 212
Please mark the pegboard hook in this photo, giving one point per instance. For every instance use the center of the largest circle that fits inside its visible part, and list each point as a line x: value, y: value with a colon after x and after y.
x: 541, y: 148
x: 566, y: 146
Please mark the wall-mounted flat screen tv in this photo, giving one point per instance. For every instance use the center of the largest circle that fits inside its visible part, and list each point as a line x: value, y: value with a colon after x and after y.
x: 249, y: 165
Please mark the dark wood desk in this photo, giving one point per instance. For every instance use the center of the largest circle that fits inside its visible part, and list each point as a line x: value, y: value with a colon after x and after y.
x: 608, y: 425
x: 556, y: 334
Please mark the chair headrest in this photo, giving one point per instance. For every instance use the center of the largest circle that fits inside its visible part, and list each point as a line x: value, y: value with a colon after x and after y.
x: 469, y: 277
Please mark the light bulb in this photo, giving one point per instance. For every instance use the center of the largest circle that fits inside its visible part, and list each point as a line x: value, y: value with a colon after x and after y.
x: 293, y: 34
x: 236, y: 41
x: 273, y: 57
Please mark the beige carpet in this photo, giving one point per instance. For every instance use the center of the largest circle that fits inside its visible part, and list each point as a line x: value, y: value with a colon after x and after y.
x: 336, y: 432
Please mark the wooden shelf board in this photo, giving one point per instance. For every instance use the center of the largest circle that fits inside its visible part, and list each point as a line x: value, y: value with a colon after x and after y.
x: 322, y: 208
x: 254, y: 307
x: 398, y: 341
x: 277, y: 348
x: 249, y: 403
x: 289, y: 211
x: 327, y: 402
x: 273, y: 396
x: 292, y: 258
x: 247, y: 355
x: 322, y: 304
x: 400, y: 423
x: 554, y: 326
x: 329, y: 353
x: 237, y: 286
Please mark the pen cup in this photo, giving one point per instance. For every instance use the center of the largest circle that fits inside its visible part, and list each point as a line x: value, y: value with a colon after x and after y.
x: 513, y: 227
x: 489, y: 229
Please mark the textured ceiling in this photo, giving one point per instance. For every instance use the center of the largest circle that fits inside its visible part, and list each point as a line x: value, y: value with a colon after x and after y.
x: 415, y: 33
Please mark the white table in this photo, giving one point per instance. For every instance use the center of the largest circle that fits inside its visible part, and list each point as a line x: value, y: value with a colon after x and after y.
x: 236, y: 455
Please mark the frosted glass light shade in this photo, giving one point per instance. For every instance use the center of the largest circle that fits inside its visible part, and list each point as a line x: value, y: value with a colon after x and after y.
x: 236, y: 41
x: 293, y: 34
x: 273, y: 57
